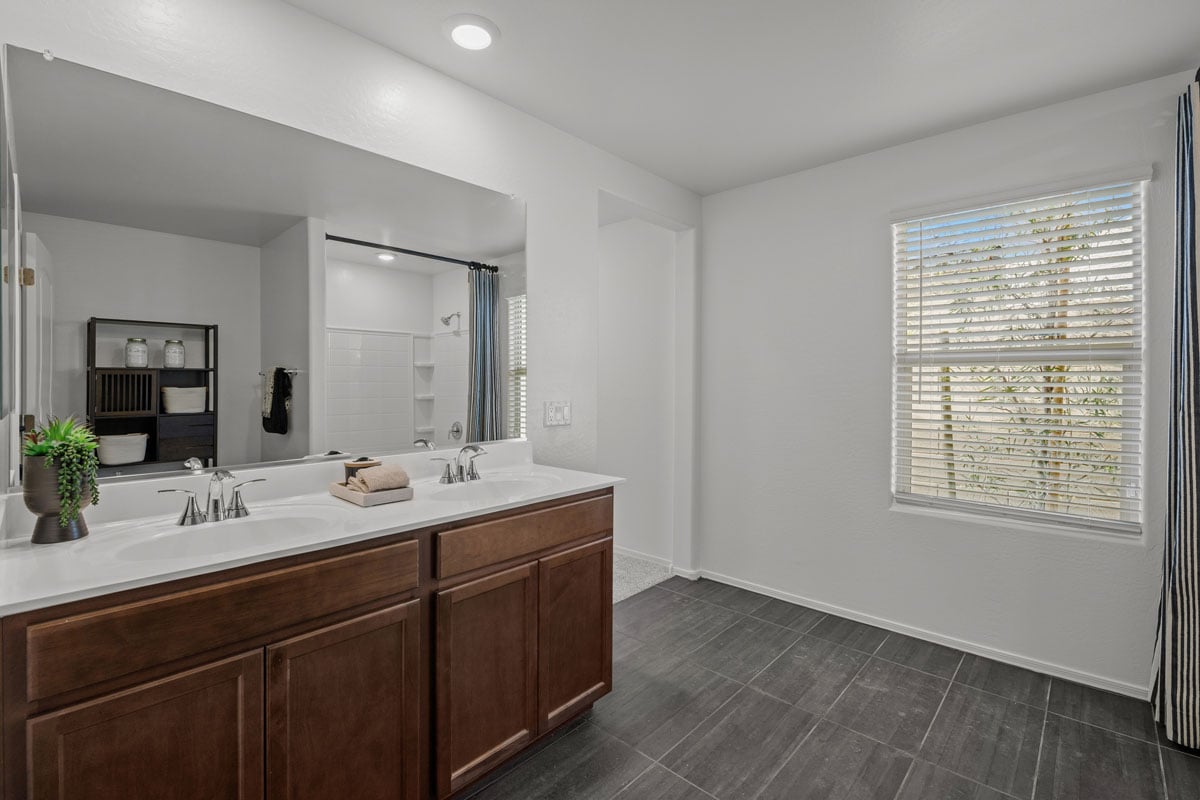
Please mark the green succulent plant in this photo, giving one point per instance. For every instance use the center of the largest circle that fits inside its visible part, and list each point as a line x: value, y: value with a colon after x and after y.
x: 70, y: 447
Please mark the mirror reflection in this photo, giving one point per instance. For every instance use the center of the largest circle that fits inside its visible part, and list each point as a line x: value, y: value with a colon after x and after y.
x: 210, y: 288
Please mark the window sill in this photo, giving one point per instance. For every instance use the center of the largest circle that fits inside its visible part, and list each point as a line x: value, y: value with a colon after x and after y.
x: 1080, y: 531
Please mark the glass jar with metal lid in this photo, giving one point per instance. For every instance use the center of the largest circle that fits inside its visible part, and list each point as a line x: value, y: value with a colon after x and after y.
x: 137, y: 354
x: 174, y: 354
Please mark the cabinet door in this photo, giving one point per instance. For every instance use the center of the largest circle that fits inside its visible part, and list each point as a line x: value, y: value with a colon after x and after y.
x: 343, y: 715
x: 486, y: 674
x: 192, y: 736
x: 574, y: 631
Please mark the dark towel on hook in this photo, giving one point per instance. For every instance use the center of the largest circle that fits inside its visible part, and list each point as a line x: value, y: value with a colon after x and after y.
x: 276, y: 421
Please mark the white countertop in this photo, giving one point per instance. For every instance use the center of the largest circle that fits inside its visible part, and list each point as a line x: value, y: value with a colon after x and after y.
x: 138, y: 552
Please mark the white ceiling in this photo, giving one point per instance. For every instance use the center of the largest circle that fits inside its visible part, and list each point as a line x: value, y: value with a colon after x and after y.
x: 96, y: 146
x: 713, y: 94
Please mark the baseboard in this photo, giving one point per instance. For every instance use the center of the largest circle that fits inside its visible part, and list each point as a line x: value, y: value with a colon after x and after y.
x: 625, y: 551
x: 690, y: 574
x: 1045, y: 667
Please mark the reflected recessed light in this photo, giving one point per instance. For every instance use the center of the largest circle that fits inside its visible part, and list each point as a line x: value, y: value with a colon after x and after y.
x: 385, y: 256
x: 471, y: 31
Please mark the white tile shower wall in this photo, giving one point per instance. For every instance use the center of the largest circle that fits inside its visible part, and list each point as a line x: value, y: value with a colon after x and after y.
x: 450, y: 352
x: 369, y: 391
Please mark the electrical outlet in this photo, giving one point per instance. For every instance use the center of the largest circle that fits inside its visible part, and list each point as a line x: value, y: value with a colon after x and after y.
x: 557, y: 413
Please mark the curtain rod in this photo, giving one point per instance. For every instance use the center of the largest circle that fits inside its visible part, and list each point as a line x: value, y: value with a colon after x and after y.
x: 432, y: 256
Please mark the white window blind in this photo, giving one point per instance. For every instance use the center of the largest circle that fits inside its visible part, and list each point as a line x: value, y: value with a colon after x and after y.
x: 1018, y: 359
x: 517, y: 399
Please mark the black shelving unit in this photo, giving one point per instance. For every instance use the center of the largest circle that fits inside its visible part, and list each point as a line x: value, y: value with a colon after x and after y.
x: 124, y: 400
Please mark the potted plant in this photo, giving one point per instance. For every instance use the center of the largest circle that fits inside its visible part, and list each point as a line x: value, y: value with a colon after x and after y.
x: 60, y: 478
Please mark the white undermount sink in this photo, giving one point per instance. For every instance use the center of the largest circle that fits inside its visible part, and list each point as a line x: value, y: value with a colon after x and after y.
x: 265, y: 528
x: 505, y: 489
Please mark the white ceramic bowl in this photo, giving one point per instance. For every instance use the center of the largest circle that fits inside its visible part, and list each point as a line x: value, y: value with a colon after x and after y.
x: 129, y: 448
x: 185, y: 400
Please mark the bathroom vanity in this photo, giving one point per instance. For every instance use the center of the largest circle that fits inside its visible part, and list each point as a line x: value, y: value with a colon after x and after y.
x: 410, y: 653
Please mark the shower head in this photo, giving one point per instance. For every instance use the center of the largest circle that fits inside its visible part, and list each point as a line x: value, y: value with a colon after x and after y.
x: 446, y: 319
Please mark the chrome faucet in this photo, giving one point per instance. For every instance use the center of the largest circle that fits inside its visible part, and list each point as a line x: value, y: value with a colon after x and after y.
x: 473, y: 451
x: 214, y: 507
x: 428, y: 445
x: 237, y: 507
x: 449, y: 474
x: 192, y: 515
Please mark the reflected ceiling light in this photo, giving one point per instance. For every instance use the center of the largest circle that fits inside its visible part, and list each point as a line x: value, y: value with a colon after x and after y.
x: 385, y: 256
x: 471, y: 31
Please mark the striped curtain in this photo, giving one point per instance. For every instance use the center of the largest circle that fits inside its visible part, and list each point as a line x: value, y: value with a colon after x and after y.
x: 484, y: 416
x: 1176, y: 695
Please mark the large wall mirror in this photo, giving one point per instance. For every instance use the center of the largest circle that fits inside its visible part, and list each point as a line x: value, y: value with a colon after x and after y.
x: 208, y: 286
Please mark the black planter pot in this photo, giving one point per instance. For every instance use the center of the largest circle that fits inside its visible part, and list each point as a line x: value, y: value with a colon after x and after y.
x: 40, y: 481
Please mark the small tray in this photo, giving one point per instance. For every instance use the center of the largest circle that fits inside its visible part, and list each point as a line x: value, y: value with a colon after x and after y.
x: 366, y: 500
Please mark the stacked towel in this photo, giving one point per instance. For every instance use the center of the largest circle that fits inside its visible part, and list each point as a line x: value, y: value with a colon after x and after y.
x: 378, y: 479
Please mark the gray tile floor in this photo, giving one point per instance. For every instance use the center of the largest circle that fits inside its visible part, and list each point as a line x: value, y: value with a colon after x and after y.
x: 723, y: 693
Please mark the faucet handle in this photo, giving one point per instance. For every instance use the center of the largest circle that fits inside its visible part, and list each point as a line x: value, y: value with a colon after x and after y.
x: 472, y: 473
x: 237, y: 507
x: 192, y: 515
x: 448, y: 475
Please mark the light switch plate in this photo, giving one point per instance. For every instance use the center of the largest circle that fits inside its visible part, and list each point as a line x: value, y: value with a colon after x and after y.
x: 557, y: 413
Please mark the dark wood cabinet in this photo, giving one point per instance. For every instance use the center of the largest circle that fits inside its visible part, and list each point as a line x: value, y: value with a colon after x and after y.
x: 193, y: 736
x: 486, y: 674
x: 343, y: 710
x: 574, y: 631
x: 401, y: 668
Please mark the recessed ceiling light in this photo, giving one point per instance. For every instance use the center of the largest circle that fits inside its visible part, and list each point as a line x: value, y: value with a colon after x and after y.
x: 471, y: 32
x: 385, y: 256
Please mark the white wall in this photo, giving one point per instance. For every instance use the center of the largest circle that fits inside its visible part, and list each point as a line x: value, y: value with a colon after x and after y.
x: 795, y: 343
x: 367, y: 297
x: 286, y: 325
x: 126, y: 273
x: 637, y: 381
x: 275, y: 61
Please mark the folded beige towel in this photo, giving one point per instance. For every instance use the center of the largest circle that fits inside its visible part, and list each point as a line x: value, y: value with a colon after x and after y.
x: 379, y: 479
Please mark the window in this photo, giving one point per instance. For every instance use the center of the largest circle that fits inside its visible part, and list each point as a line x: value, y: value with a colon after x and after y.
x: 1018, y: 359
x: 517, y: 392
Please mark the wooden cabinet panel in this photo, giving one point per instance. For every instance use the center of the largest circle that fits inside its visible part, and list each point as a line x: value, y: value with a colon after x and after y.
x: 343, y: 710
x: 574, y: 631
x: 193, y: 736
x: 484, y: 544
x: 83, y: 649
x: 486, y: 674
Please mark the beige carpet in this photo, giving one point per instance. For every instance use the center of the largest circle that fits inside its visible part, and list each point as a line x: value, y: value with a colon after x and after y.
x: 632, y: 575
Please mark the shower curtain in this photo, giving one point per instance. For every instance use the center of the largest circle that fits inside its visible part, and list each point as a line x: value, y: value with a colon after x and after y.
x: 483, y: 397
x: 1176, y: 694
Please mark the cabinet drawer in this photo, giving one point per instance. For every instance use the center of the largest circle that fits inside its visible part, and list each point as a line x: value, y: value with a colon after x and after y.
x: 474, y: 546
x: 185, y: 426
x: 78, y: 651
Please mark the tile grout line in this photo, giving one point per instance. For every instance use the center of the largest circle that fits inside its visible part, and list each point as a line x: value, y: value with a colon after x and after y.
x: 921, y: 746
x: 689, y: 783
x: 1162, y: 764
x: 820, y: 718
x: 1084, y: 722
x: 1010, y: 699
x: 1037, y: 766
x: 636, y: 778
x: 694, y: 728
x: 937, y: 713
